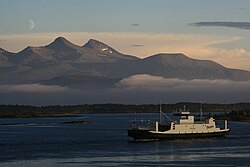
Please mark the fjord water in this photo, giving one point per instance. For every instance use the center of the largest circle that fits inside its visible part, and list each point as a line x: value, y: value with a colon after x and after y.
x: 49, y: 142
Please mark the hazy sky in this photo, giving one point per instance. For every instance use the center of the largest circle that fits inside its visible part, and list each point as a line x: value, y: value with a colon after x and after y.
x: 218, y: 30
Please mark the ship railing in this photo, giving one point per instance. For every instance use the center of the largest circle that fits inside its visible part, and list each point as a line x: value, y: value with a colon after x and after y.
x: 142, y: 124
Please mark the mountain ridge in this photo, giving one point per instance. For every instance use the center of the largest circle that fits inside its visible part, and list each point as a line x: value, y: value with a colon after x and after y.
x: 61, y: 58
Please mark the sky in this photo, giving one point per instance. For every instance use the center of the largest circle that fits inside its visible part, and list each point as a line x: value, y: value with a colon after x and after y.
x: 216, y: 30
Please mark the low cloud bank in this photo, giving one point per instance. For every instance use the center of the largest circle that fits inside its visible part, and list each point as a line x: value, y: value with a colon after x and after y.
x: 159, y: 83
x: 32, y: 88
x: 137, y: 89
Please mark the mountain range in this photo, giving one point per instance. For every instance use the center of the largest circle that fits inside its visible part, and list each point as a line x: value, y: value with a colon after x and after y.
x: 97, y: 65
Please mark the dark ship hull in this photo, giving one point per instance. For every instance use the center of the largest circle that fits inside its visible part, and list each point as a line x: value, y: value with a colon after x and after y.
x: 146, y: 134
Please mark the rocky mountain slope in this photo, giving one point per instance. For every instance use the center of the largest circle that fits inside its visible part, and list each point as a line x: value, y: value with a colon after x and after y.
x: 64, y: 63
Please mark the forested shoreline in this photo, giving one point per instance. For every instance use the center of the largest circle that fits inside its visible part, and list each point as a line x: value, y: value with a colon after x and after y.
x: 28, y: 111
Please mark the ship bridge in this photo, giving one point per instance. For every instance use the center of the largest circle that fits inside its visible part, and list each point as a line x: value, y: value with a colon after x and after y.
x: 186, y: 118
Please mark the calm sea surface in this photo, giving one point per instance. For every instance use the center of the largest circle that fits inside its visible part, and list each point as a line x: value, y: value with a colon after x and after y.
x: 49, y: 142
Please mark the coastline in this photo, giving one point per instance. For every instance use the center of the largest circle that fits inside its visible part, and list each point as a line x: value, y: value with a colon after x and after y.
x: 231, y: 112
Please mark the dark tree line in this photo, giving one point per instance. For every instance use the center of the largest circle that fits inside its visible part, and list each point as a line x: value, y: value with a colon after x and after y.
x: 43, y: 111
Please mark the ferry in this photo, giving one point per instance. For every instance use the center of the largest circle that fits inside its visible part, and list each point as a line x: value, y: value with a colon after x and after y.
x: 187, y: 127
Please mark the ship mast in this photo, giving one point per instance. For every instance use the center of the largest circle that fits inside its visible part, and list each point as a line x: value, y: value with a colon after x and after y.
x: 163, y: 116
x: 160, y: 113
x: 201, y: 111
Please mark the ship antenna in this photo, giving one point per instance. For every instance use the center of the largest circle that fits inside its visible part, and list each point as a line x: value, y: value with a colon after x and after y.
x: 160, y: 113
x: 201, y: 111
